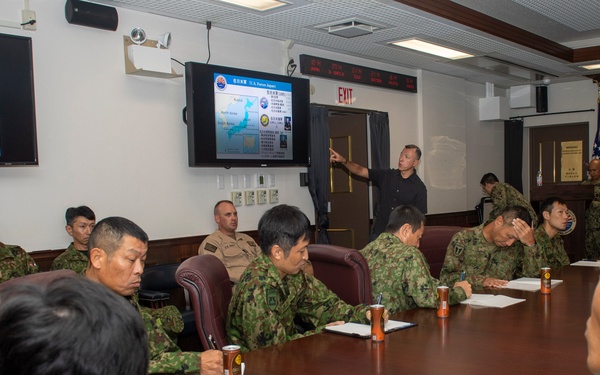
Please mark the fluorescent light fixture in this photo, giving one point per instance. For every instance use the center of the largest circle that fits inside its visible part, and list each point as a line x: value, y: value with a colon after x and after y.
x: 433, y: 49
x: 260, y: 5
x: 591, y: 67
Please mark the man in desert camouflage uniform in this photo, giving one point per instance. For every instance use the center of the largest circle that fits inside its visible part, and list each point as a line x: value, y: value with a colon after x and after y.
x: 235, y: 250
x: 555, y: 217
x: 504, y: 195
x: 399, y: 270
x: 118, y: 249
x: 592, y: 215
x: 15, y: 262
x: 273, y: 290
x: 80, y: 222
x: 493, y: 253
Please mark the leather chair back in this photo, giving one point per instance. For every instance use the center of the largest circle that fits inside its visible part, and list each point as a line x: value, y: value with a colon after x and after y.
x: 345, y: 271
x: 434, y: 244
x: 40, y: 278
x: 207, y: 281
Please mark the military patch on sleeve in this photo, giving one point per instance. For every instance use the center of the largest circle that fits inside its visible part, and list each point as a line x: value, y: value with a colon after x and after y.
x: 210, y: 247
x: 458, y: 249
x: 272, y: 298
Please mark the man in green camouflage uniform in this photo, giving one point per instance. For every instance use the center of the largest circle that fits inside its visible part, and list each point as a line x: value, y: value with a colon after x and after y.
x: 504, y: 195
x: 118, y: 249
x: 273, y: 290
x: 493, y: 253
x: 549, y: 242
x: 15, y: 262
x: 399, y: 270
x: 592, y: 215
x: 80, y: 222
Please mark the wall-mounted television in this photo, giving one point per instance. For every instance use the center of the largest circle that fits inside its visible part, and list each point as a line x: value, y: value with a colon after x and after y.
x: 18, y: 139
x: 243, y: 118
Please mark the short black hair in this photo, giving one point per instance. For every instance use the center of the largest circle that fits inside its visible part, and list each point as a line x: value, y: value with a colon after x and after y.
x: 548, y: 204
x: 516, y: 212
x: 488, y: 178
x: 284, y: 226
x: 74, y: 212
x: 108, y: 234
x: 405, y: 215
x: 417, y: 150
x: 70, y: 326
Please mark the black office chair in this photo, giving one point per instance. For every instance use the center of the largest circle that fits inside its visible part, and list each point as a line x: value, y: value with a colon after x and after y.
x: 158, y: 288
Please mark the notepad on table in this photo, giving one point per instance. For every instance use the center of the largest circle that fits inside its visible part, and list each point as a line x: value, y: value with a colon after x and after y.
x: 490, y: 300
x: 364, y: 330
x: 530, y: 284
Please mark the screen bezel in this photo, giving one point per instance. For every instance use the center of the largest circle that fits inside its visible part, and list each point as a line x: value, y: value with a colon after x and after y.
x: 202, y: 148
x: 17, y: 110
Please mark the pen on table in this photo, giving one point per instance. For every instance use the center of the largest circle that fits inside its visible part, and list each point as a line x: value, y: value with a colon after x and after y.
x: 379, y: 298
x: 211, y: 342
x: 463, y: 274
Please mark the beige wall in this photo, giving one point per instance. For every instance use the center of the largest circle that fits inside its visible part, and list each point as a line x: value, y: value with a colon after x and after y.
x: 117, y: 143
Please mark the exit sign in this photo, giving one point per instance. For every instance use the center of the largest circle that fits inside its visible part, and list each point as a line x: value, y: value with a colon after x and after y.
x: 345, y: 95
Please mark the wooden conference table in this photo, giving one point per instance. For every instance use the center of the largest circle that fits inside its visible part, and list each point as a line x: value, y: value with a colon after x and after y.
x: 543, y: 335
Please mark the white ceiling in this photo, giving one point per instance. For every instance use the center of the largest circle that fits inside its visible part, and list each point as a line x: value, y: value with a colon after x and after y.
x: 573, y: 23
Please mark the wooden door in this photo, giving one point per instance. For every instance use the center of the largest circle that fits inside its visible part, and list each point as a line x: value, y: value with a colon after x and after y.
x: 348, y: 194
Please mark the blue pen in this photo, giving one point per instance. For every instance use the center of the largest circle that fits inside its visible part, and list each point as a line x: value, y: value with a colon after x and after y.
x: 463, y: 274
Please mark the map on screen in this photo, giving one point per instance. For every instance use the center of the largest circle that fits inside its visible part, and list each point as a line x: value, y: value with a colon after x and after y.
x: 253, y: 118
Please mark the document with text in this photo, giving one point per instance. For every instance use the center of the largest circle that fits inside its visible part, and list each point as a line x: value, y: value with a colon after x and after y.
x: 530, y: 284
x: 490, y: 300
x: 364, y: 330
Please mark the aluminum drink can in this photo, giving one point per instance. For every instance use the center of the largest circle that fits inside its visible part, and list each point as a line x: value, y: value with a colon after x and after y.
x: 546, y: 280
x: 443, y: 310
x: 377, y: 323
x: 232, y: 360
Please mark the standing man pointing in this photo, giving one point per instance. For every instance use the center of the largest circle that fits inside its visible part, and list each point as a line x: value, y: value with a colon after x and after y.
x: 397, y: 187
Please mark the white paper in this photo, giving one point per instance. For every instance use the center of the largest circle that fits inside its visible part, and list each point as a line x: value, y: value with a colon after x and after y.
x: 587, y: 263
x: 490, y: 300
x: 530, y: 284
x: 364, y: 330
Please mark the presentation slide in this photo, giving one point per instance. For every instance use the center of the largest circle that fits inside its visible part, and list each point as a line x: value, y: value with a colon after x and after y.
x: 253, y: 118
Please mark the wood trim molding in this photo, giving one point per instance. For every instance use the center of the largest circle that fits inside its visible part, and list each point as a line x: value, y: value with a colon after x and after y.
x: 466, y: 16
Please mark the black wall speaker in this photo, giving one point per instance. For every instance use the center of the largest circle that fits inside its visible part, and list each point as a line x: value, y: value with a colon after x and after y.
x: 93, y: 15
x: 541, y: 99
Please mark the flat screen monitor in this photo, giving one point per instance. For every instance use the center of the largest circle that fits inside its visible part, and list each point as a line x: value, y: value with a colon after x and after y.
x: 244, y: 118
x: 18, y: 139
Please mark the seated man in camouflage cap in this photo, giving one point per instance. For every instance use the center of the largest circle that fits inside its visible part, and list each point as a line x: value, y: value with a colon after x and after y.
x: 15, y: 262
x: 493, y: 253
x: 399, y: 270
x: 273, y: 290
x: 118, y: 249
x: 80, y: 222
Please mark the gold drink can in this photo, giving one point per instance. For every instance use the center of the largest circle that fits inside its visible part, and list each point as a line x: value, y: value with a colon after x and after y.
x: 232, y: 360
x: 377, y: 323
x: 443, y: 310
x: 546, y: 280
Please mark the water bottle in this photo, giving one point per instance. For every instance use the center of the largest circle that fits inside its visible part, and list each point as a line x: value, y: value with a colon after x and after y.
x: 539, y: 178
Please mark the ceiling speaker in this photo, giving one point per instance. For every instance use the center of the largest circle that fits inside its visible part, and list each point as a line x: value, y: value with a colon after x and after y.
x: 92, y: 15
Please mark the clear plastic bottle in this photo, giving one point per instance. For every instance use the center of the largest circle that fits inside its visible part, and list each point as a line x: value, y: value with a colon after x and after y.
x: 539, y: 178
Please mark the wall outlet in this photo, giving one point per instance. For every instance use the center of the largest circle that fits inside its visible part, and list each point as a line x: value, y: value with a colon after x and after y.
x: 236, y: 198
x: 273, y: 196
x: 261, y: 180
x: 261, y: 196
x: 28, y: 16
x: 250, y: 197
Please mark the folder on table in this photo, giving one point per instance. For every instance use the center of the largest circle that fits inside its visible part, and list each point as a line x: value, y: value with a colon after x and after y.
x: 364, y: 330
